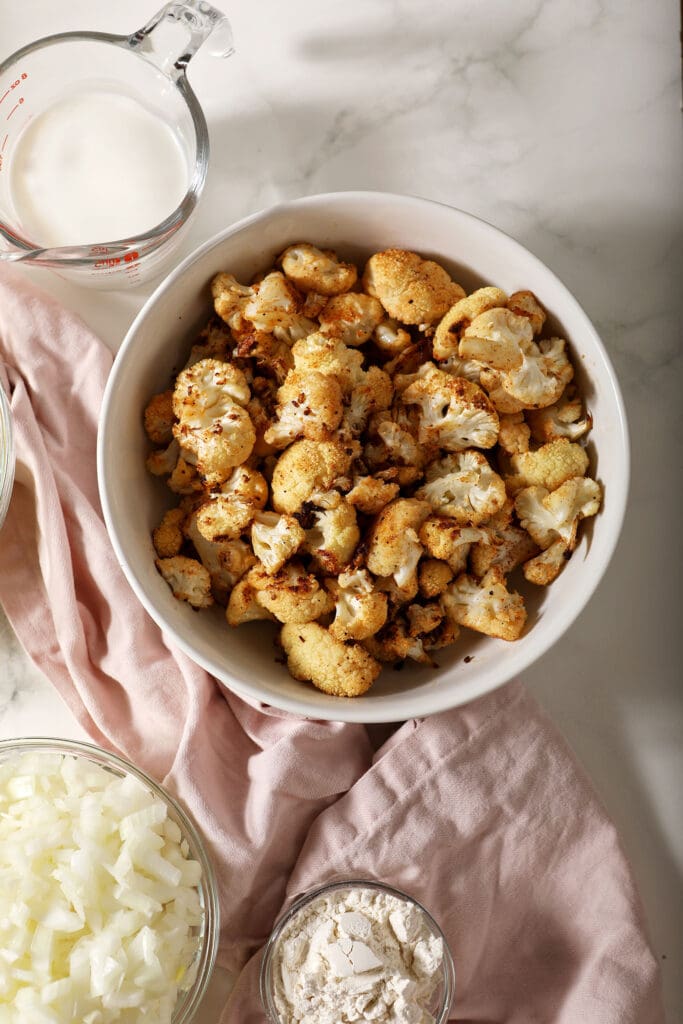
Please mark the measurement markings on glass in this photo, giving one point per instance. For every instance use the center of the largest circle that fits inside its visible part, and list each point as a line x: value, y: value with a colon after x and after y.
x: 15, y: 107
x: 15, y: 85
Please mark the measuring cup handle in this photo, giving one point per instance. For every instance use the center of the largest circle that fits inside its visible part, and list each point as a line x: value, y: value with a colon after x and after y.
x: 170, y: 49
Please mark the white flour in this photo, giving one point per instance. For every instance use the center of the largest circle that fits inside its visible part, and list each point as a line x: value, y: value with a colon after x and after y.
x: 357, y: 955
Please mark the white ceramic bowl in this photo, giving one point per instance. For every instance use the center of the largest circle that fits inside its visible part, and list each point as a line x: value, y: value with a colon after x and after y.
x: 356, y: 224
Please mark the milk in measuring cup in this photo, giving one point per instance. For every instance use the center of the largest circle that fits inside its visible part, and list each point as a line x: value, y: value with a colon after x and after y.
x: 96, y: 167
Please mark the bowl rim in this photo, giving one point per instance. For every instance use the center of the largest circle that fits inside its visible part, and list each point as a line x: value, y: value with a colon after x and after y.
x: 362, y: 710
x: 189, y: 1000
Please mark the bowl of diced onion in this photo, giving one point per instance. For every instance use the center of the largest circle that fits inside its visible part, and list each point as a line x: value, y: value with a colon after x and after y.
x: 108, y: 901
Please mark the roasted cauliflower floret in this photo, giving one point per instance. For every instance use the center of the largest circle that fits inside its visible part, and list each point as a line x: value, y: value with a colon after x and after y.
x: 226, y: 560
x: 447, y: 540
x: 159, y: 418
x: 391, y: 338
x: 454, y: 413
x: 504, y: 548
x: 495, y: 338
x: 188, y: 579
x: 275, y: 539
x: 514, y: 433
x: 243, y: 605
x: 547, y: 566
x: 549, y: 515
x: 395, y: 445
x: 464, y: 486
x: 393, y: 547
x: 460, y: 315
x: 306, y: 469
x: 485, y: 605
x: 548, y: 466
x: 333, y: 538
x: 563, y: 419
x: 229, y: 299
x: 360, y: 609
x: 330, y: 356
x: 185, y: 479
x: 162, y: 461
x: 338, y: 668
x: 222, y: 517
x: 538, y: 381
x: 309, y: 405
x: 372, y: 394
x: 351, y: 317
x: 247, y: 485
x: 212, y: 424
x: 394, y: 644
x: 214, y: 341
x: 291, y: 594
x: 317, y: 270
x: 275, y: 308
x: 411, y: 289
x: 433, y: 576
x: 526, y: 304
x: 168, y: 535
x: 369, y: 494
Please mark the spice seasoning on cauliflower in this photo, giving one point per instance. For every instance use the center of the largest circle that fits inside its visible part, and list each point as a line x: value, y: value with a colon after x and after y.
x: 366, y: 469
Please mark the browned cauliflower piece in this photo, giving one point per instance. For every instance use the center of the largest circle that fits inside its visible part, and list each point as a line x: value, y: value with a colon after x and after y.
x: 338, y: 668
x: 454, y: 413
x: 563, y: 419
x: 248, y: 485
x: 333, y: 538
x: 485, y: 605
x: 212, y: 424
x: 291, y: 594
x: 392, y: 444
x: 360, y: 609
x: 309, y: 405
x: 411, y: 289
x: 229, y: 299
x: 373, y: 393
x: 159, y: 418
x: 460, y: 315
x: 214, y: 341
x: 393, y: 547
x: 505, y: 548
x: 162, y: 461
x: 549, y: 515
x: 391, y: 338
x: 538, y: 381
x: 351, y: 317
x: 226, y: 560
x: 220, y: 517
x: 394, y: 644
x: 548, y: 466
x: 464, y: 486
x: 433, y: 576
x: 275, y: 308
x: 306, y: 469
x: 526, y: 304
x: 444, y: 538
x: 546, y: 566
x: 275, y: 539
x: 317, y: 270
x: 495, y: 339
x: 168, y: 535
x: 188, y: 579
x: 369, y: 494
x: 424, y: 618
x: 243, y: 605
x: 330, y: 356
x: 514, y: 433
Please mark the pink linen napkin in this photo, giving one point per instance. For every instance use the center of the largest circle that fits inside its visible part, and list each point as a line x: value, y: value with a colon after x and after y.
x: 481, y: 812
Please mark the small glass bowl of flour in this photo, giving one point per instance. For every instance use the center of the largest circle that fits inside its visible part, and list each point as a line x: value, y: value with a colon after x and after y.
x: 357, y: 951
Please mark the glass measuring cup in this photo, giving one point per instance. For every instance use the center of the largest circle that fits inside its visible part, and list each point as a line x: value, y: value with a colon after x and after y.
x: 148, y: 67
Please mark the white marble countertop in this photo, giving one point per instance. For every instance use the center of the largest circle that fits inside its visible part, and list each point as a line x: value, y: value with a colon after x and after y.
x: 560, y: 123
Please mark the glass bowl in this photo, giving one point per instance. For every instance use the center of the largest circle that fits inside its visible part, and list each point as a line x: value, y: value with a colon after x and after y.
x: 442, y: 997
x: 6, y: 455
x: 207, y: 934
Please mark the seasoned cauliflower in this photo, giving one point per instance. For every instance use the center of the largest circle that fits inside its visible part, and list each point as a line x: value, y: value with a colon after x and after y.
x: 159, y: 418
x: 309, y: 405
x: 393, y: 547
x: 460, y: 315
x: 333, y: 538
x: 184, y: 479
x: 370, y: 494
x: 411, y: 289
x: 538, y: 381
x: 360, y: 610
x: 168, y: 535
x: 495, y: 339
x: 162, y: 461
x: 445, y: 539
x: 275, y: 539
x: 564, y: 418
x: 229, y: 300
x: 338, y: 668
x: 526, y: 304
x: 548, y: 466
x: 291, y: 594
x: 394, y: 644
x: 548, y: 565
x: 222, y: 517
x: 505, y: 548
x: 226, y: 560
x: 247, y: 485
x: 212, y: 424
x: 454, y: 413
x: 330, y: 356
x: 513, y: 436
x: 214, y: 341
x: 464, y: 486
x: 549, y: 515
x: 372, y: 394
x: 188, y: 579
x: 351, y: 317
x: 395, y: 445
x: 317, y: 270
x: 306, y: 469
x: 243, y: 605
x: 275, y: 308
x: 485, y: 605
x: 433, y: 576
x: 391, y: 338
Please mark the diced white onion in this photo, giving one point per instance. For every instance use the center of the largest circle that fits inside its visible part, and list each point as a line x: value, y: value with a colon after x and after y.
x: 99, y: 901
